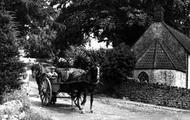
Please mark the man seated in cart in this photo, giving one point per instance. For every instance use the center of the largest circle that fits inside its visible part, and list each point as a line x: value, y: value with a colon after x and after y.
x: 52, y: 73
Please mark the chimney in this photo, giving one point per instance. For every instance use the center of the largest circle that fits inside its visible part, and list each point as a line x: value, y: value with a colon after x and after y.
x: 158, y: 13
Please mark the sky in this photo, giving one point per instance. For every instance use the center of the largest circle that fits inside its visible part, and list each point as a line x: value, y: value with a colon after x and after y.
x: 95, y: 45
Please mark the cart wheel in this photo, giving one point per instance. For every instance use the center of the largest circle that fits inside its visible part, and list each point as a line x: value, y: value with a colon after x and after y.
x: 45, y: 91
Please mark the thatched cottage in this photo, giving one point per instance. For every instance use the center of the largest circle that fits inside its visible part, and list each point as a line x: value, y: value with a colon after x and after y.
x: 163, y: 56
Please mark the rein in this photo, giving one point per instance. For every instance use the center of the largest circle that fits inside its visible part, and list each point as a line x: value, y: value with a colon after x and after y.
x: 98, y: 74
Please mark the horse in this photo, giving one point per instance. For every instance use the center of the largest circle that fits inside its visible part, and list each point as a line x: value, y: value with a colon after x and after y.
x: 80, y: 82
x: 87, y: 82
x: 38, y: 72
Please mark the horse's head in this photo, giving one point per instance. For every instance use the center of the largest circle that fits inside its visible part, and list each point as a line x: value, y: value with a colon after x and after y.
x: 37, y: 70
x: 94, y: 74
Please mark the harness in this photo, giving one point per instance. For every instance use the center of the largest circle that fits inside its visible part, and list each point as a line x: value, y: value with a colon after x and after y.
x: 93, y: 75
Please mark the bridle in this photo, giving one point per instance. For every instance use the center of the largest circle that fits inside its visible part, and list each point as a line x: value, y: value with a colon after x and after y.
x: 98, y: 75
x: 96, y: 79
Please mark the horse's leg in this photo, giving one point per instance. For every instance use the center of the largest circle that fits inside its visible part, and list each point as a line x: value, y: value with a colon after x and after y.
x: 72, y: 99
x: 76, y: 101
x: 39, y: 88
x: 91, y: 102
x: 78, y: 104
x: 84, y: 98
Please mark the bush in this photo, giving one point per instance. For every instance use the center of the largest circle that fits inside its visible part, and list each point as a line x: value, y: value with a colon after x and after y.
x: 74, y: 57
x: 83, y: 58
x: 157, y: 94
x: 117, y: 66
x: 18, y: 94
x: 39, y: 45
x: 10, y: 67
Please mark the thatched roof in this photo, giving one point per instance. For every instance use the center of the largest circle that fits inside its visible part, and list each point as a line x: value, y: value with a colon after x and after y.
x: 180, y: 37
x: 161, y: 47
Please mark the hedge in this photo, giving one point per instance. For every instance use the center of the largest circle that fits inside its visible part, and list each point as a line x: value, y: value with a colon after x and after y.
x: 10, y: 66
x: 157, y: 94
x: 79, y: 57
x: 117, y: 66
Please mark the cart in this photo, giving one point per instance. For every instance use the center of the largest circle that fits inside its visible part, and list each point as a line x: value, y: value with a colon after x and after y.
x: 51, y: 86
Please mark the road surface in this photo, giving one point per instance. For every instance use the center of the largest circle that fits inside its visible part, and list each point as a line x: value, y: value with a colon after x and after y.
x: 104, y: 109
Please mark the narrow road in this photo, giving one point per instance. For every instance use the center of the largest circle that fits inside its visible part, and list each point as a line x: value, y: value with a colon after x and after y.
x: 104, y: 109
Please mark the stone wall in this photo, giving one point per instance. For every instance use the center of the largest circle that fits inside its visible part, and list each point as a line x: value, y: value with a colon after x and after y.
x: 188, y: 71
x: 168, y: 77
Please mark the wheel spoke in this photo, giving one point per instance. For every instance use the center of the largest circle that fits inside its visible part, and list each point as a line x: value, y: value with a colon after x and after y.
x: 46, y: 100
x: 46, y: 91
x: 42, y: 99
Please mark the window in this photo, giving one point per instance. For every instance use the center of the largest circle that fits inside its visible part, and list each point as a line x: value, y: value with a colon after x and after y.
x: 143, y: 77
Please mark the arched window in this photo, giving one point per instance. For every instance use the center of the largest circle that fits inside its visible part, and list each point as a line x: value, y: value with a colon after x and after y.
x: 143, y: 77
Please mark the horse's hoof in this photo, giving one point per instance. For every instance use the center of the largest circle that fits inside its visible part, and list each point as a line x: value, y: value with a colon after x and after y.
x: 82, y: 111
x: 91, y: 111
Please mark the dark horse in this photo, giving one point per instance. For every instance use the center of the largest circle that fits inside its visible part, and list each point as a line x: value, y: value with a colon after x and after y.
x: 78, y: 82
x: 38, y: 72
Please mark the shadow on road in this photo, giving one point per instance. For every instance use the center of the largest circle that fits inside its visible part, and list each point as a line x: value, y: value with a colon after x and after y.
x: 60, y: 107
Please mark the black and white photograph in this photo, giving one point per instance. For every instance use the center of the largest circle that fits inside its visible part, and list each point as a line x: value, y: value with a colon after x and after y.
x: 94, y: 59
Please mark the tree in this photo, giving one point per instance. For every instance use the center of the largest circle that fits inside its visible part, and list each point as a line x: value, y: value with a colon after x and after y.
x: 30, y: 14
x: 39, y: 45
x: 35, y: 20
x: 10, y: 66
x: 114, y: 20
x: 110, y: 20
x: 176, y: 11
x: 117, y: 67
x: 75, y: 21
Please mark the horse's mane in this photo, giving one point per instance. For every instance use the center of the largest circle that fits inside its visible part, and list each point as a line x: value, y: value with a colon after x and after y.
x: 38, y: 67
x: 93, y: 75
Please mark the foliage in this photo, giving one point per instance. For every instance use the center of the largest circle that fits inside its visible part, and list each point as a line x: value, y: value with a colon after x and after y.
x: 76, y: 21
x: 34, y: 115
x: 26, y: 111
x: 10, y: 66
x: 30, y: 14
x: 114, y: 21
x: 17, y: 94
x: 158, y: 94
x: 35, y: 20
x: 40, y: 45
x: 118, y: 65
x: 79, y: 57
x: 108, y: 21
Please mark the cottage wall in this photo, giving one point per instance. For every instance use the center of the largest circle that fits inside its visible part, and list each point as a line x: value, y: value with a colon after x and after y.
x: 149, y: 72
x: 169, y: 77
